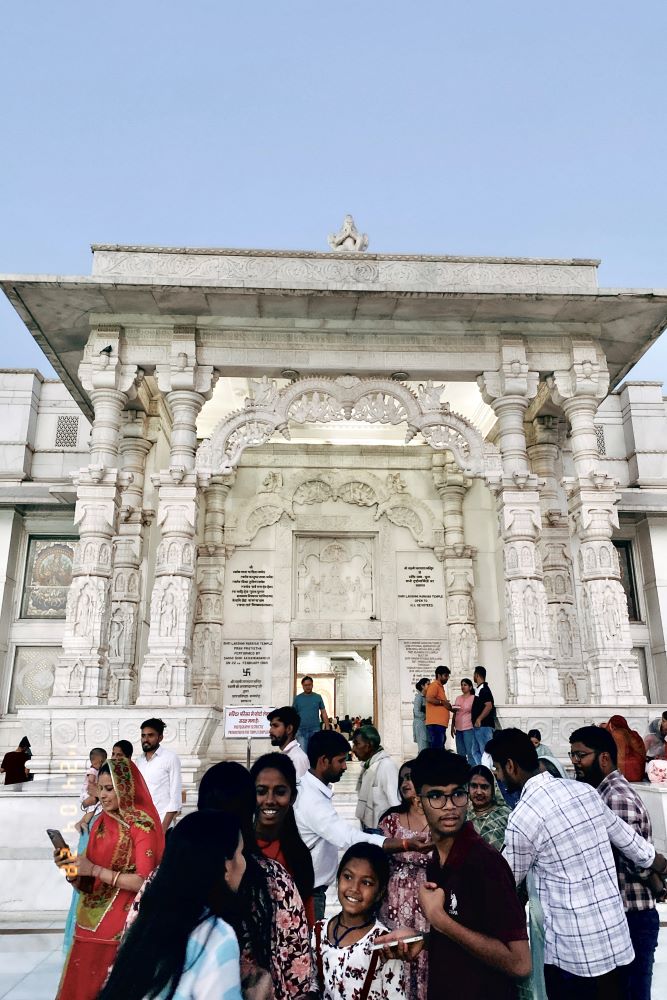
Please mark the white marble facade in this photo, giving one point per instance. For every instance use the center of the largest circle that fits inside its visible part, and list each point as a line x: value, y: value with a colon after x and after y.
x: 198, y: 563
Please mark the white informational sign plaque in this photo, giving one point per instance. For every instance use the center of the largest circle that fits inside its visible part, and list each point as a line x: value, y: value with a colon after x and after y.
x: 419, y: 658
x: 247, y: 671
x: 247, y: 721
x: 421, y: 588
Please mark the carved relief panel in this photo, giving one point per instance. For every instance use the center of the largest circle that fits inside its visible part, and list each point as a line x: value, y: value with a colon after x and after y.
x: 335, y: 578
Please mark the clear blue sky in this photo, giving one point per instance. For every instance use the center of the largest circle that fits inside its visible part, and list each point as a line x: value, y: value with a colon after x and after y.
x: 515, y: 128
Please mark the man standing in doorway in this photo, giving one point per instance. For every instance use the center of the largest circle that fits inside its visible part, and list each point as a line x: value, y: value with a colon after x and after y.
x: 161, y: 770
x: 283, y: 729
x: 310, y: 707
x: 483, y: 714
x: 595, y: 757
x: 438, y: 708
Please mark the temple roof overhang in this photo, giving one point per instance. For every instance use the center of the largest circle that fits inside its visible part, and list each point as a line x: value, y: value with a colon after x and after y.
x: 382, y: 294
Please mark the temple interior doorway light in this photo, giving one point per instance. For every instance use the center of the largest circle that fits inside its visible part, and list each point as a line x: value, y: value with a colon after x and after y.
x: 343, y: 674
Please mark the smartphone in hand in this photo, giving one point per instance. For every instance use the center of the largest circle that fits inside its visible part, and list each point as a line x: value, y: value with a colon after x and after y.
x: 57, y: 839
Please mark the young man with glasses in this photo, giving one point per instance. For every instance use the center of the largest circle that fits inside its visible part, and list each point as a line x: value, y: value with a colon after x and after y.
x: 562, y: 832
x: 595, y: 758
x: 478, y: 944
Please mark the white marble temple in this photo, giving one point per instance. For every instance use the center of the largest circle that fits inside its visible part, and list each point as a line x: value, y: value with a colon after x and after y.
x: 256, y: 453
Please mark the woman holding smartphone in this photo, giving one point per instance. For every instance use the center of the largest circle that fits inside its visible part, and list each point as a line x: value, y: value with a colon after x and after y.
x: 126, y: 843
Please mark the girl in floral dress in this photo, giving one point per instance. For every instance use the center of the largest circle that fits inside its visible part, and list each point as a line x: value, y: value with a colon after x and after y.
x: 347, y: 966
x: 400, y: 907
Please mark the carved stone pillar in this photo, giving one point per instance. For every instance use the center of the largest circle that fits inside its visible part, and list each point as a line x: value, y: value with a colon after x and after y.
x: 554, y: 545
x: 451, y: 485
x: 81, y: 676
x: 167, y: 668
x: 136, y: 442
x: 207, y: 639
x: 592, y: 496
x: 532, y: 677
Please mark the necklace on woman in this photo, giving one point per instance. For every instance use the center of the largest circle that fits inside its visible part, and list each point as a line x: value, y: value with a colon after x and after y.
x: 339, y: 938
x: 419, y: 829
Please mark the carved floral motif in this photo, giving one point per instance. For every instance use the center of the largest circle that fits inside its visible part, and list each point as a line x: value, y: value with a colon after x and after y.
x: 261, y: 517
x: 312, y: 491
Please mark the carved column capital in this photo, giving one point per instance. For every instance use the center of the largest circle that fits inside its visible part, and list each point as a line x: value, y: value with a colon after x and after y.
x: 102, y: 366
x: 587, y: 376
x: 513, y: 377
x: 578, y: 390
x: 183, y: 371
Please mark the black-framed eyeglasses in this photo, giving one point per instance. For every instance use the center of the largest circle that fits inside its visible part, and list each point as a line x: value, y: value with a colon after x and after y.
x: 578, y: 755
x: 438, y: 800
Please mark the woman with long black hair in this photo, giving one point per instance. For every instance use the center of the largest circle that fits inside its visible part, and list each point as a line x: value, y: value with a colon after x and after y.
x: 272, y: 929
x: 275, y: 825
x: 183, y: 943
x: 277, y: 939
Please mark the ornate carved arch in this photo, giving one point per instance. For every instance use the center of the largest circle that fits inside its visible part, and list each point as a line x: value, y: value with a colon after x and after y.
x: 325, y: 400
x: 361, y: 488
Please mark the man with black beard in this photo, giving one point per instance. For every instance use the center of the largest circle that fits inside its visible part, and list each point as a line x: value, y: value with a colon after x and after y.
x: 283, y: 726
x: 594, y: 755
x: 161, y: 770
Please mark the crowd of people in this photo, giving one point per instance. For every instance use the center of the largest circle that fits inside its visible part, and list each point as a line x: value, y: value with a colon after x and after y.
x: 432, y: 886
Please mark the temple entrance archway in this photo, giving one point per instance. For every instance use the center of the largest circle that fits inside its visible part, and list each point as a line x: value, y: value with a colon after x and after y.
x: 270, y: 410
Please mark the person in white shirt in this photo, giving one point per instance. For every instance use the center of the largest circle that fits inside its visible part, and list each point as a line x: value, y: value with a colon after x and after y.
x: 283, y: 727
x: 161, y: 770
x: 377, y: 788
x: 321, y: 828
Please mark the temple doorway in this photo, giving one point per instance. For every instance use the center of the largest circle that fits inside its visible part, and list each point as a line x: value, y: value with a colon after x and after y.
x: 343, y: 673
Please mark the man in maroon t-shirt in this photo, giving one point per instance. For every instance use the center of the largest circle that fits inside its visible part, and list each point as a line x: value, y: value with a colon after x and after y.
x: 478, y: 943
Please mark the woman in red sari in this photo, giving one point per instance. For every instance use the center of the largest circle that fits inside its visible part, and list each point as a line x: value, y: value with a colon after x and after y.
x: 126, y: 843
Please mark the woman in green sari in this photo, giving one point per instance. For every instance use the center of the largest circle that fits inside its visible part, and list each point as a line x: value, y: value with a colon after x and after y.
x: 485, y: 812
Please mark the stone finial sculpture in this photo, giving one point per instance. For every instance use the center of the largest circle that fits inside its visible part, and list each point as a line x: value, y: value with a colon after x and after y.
x: 348, y: 238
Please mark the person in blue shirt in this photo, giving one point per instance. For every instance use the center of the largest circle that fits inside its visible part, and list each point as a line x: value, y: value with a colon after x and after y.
x: 310, y: 707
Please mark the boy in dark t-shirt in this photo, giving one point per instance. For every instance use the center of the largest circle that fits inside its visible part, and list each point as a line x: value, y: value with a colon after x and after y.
x: 478, y: 943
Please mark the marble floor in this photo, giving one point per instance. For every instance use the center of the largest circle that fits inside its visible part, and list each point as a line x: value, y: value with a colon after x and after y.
x: 30, y: 964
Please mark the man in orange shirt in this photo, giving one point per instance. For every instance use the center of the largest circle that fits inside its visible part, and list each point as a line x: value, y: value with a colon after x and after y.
x: 437, y: 709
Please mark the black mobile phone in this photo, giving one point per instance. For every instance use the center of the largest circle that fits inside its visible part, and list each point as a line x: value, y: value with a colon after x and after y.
x: 57, y: 839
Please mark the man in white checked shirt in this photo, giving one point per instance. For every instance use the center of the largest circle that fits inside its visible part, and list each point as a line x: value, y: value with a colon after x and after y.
x: 562, y: 831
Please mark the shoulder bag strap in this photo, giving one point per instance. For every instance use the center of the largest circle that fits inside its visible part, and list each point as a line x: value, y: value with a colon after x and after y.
x: 318, y: 955
x: 370, y: 975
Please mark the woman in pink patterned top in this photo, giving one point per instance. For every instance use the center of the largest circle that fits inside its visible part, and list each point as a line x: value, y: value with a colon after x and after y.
x: 408, y: 870
x: 462, y: 725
